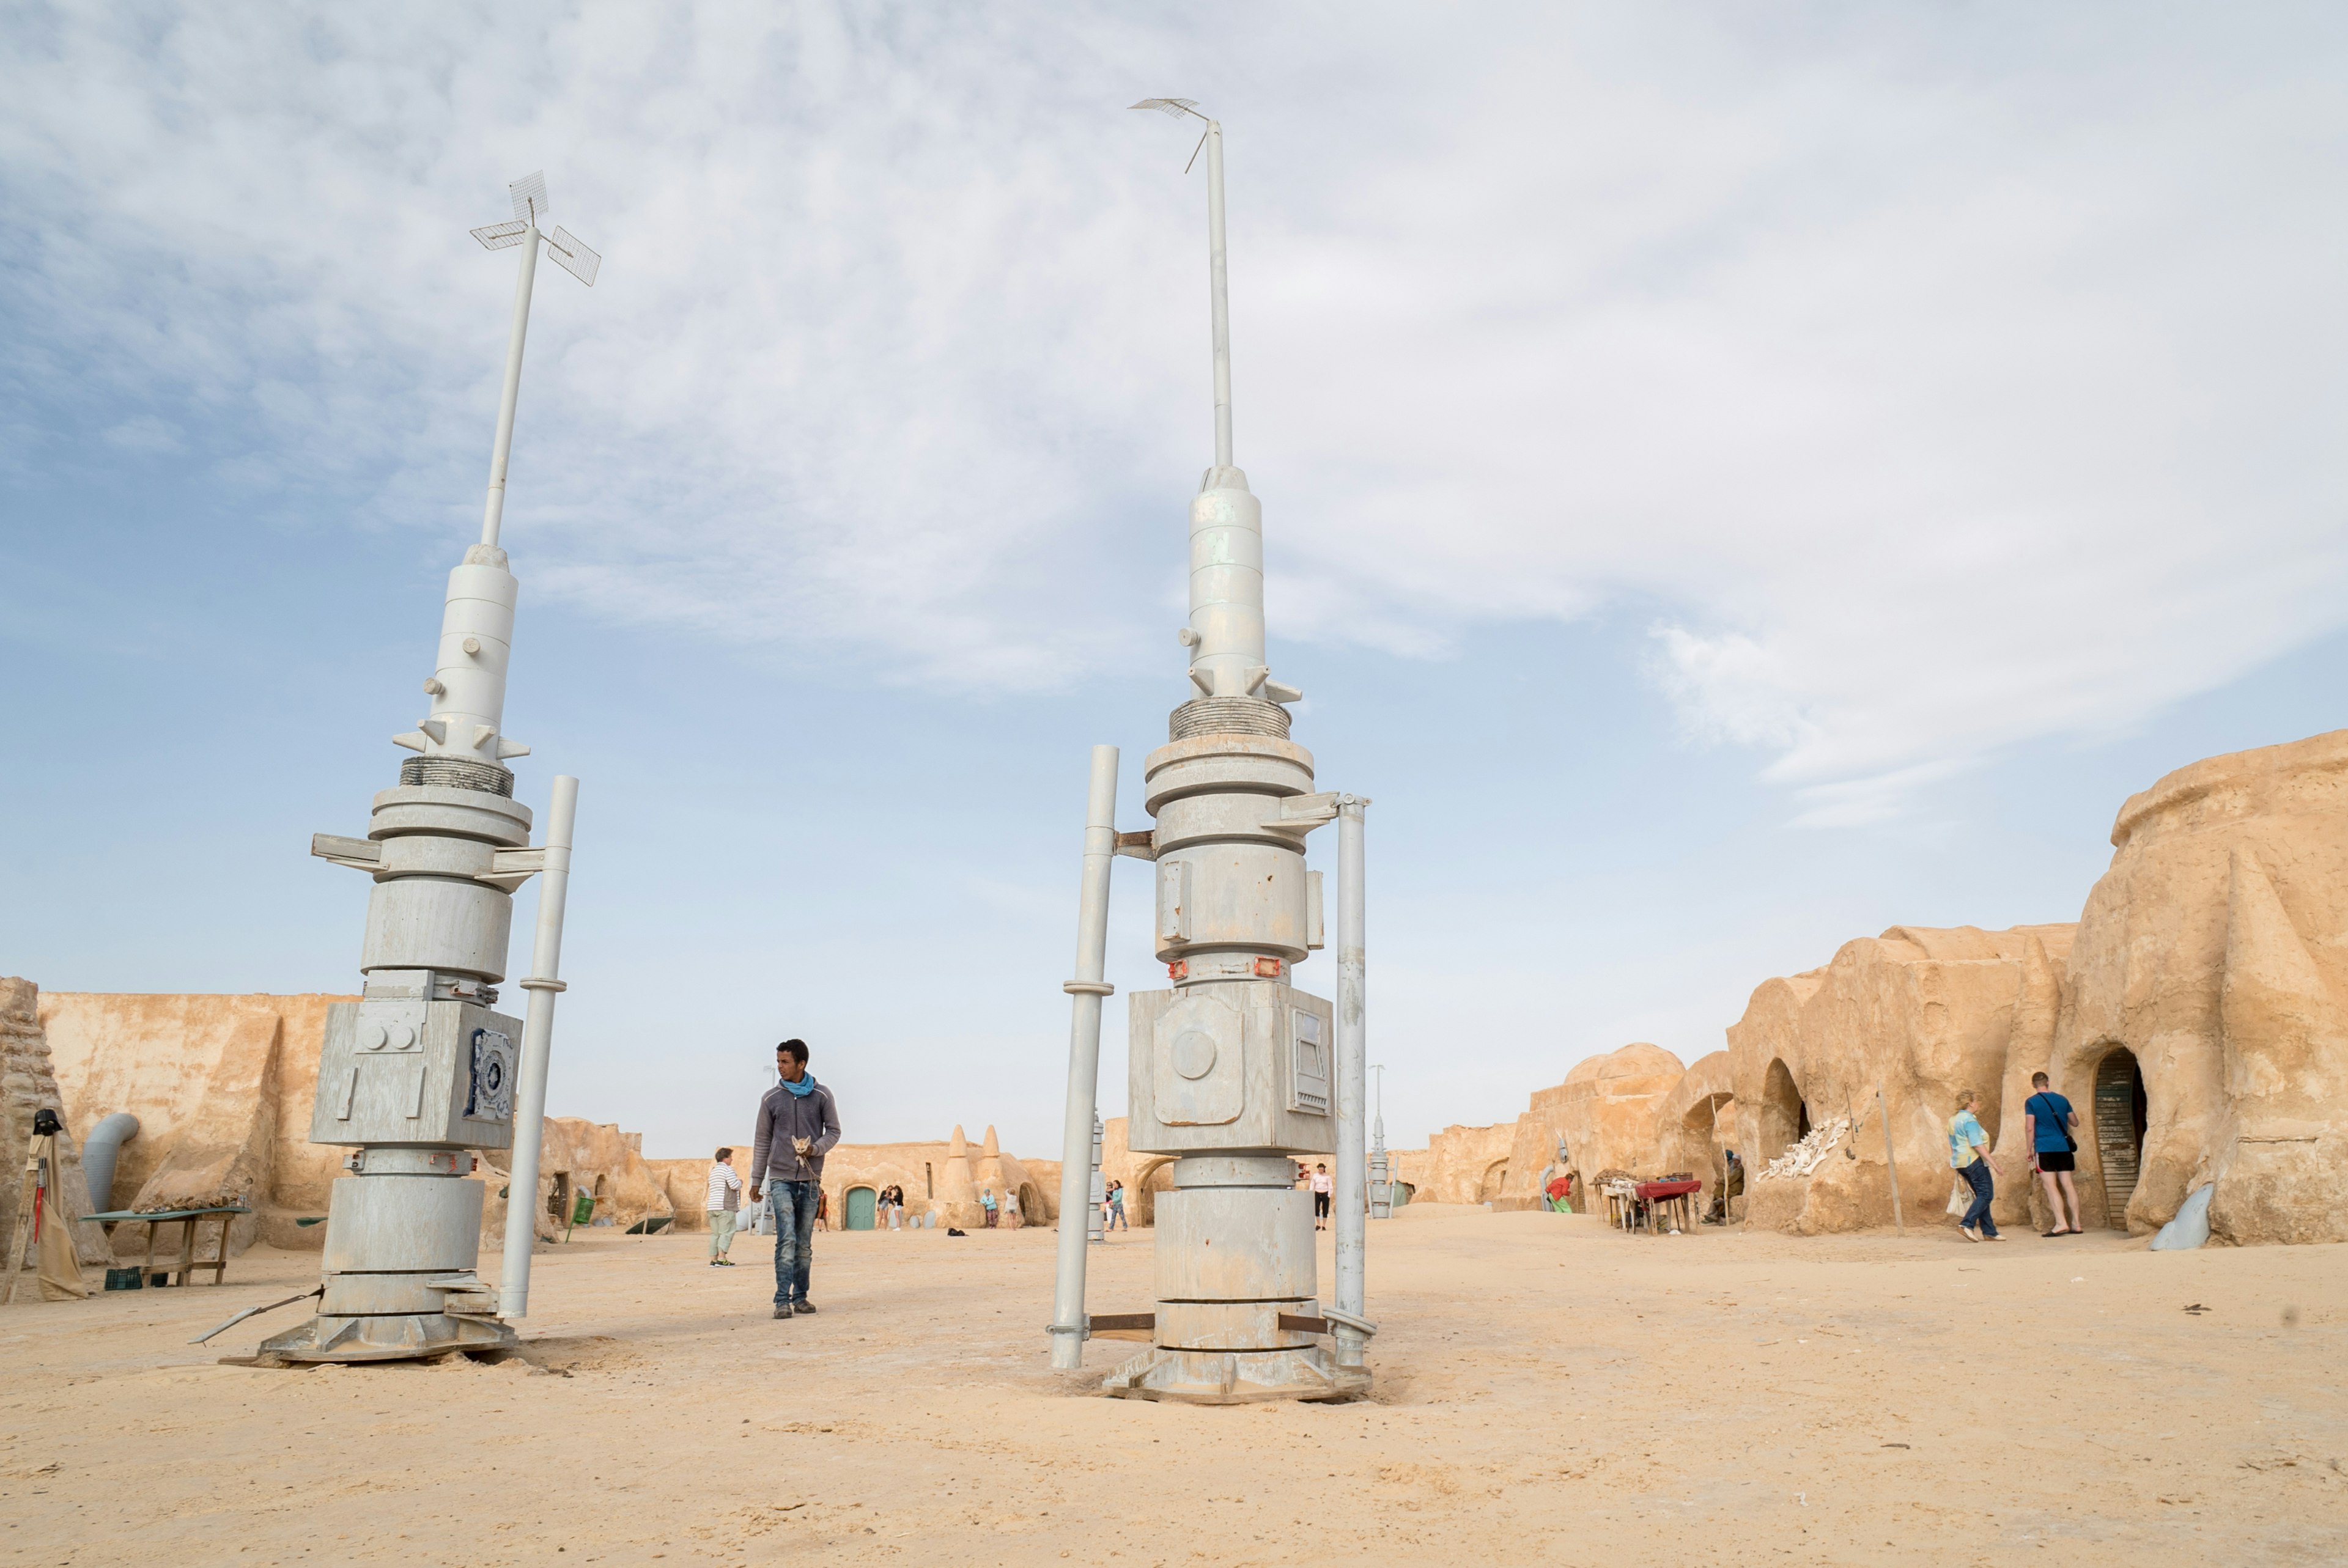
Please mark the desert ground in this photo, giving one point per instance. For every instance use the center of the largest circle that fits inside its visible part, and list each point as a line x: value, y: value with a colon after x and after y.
x: 1547, y: 1392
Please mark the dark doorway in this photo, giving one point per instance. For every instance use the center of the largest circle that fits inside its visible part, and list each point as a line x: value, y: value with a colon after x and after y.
x: 1784, y: 1120
x: 2120, y: 1131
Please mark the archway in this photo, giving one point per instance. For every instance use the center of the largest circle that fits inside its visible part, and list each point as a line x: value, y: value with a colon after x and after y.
x: 1495, y: 1177
x: 2119, y: 1130
x: 1784, y: 1120
x: 859, y: 1203
x: 1030, y: 1205
x: 1141, y: 1193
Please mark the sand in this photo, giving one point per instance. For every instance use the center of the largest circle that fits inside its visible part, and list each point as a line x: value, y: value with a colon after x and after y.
x: 1549, y: 1392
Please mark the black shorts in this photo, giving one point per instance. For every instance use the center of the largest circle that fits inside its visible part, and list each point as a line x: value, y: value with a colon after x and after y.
x: 1320, y: 1205
x: 2057, y: 1159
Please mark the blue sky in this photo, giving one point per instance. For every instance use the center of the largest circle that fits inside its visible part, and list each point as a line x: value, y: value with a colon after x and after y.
x: 1733, y: 482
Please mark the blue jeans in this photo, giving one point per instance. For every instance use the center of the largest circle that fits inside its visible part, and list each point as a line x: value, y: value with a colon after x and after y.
x: 1977, y: 1177
x: 793, y: 1205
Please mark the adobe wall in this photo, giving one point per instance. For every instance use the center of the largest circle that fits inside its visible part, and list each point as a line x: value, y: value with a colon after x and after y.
x: 1919, y: 1014
x: 2214, y: 951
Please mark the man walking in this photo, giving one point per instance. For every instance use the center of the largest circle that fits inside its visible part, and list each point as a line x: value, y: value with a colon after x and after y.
x: 798, y: 1125
x: 725, y: 1201
x: 2048, y: 1119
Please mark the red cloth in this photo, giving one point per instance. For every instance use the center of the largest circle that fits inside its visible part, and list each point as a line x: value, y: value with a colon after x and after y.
x: 1653, y: 1189
x: 1560, y: 1187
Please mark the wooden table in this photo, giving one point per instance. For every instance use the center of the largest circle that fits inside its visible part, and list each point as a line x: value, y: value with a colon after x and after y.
x: 1676, y: 1196
x: 189, y: 1219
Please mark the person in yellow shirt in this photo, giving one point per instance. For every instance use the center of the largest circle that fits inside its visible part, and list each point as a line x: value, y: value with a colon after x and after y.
x: 1969, y: 1155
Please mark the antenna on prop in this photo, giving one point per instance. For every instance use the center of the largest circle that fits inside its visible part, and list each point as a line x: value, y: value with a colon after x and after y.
x: 1211, y: 139
x: 530, y: 206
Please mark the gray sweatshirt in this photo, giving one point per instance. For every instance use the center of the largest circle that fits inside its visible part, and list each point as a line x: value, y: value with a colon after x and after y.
x: 783, y: 1116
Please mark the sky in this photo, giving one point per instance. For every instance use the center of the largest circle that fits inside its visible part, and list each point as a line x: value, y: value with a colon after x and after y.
x: 1735, y: 479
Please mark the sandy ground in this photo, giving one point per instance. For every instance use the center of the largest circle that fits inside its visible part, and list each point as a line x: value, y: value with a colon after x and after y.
x: 1549, y: 1392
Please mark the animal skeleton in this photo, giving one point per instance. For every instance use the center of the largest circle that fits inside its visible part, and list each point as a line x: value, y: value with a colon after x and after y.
x: 1800, y: 1159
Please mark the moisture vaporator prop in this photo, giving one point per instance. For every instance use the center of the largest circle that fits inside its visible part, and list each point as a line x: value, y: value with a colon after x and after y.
x: 423, y: 1070
x: 1234, y: 1071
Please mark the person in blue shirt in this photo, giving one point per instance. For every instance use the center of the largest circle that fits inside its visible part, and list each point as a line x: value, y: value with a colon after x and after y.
x: 1969, y: 1155
x: 2048, y: 1117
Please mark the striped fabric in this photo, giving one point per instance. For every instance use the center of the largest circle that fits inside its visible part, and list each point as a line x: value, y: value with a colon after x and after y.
x: 724, y: 1188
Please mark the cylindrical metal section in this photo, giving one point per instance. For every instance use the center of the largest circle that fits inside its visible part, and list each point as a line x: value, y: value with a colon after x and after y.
x: 1227, y: 586
x: 1234, y: 1244
x: 1079, y: 1150
x: 1244, y: 898
x: 537, y: 1047
x: 403, y: 1225
x: 1346, y: 1198
x: 1218, y: 285
x: 469, y: 669
x: 439, y: 923
x: 1275, y: 1171
x: 1231, y: 1324
x: 494, y: 512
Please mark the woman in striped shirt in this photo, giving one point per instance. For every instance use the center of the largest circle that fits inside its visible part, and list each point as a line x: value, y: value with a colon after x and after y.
x: 725, y: 1201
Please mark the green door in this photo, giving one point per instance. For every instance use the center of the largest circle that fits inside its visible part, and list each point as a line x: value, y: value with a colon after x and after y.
x: 859, y: 1208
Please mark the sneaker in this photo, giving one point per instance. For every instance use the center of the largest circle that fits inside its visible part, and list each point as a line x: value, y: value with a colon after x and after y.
x: 782, y: 1311
x: 803, y: 1308
x: 1969, y: 1233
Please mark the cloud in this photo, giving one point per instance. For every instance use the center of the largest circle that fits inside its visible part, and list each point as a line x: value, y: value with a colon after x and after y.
x: 1949, y: 379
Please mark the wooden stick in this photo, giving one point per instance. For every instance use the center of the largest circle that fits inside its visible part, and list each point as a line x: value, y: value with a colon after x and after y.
x: 1891, y: 1159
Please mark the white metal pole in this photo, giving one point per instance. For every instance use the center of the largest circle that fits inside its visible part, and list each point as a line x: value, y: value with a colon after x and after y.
x: 537, y: 1045
x: 1099, y: 1191
x: 1222, y: 305
x: 493, y: 511
x: 1352, y: 1055
x: 1085, y: 991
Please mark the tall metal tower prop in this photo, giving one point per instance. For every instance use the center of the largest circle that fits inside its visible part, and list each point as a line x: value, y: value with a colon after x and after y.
x: 1232, y: 1071
x: 421, y: 1070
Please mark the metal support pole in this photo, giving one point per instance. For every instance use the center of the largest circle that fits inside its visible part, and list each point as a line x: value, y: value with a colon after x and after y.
x: 493, y: 511
x: 1099, y: 1191
x: 1891, y: 1161
x: 1085, y: 991
x: 1350, y: 1195
x: 1223, y: 304
x: 537, y: 1045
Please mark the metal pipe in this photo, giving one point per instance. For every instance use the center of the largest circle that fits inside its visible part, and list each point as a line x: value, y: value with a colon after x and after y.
x: 99, y: 1152
x: 1085, y: 993
x: 1099, y: 1191
x: 493, y: 511
x: 1222, y: 306
x: 1350, y: 1197
x: 537, y: 1044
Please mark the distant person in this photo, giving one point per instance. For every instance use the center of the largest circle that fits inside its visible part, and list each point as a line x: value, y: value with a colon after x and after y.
x: 1730, y: 1185
x: 892, y: 1205
x: 822, y: 1210
x: 798, y: 1125
x: 2048, y: 1119
x: 1969, y: 1154
x: 1011, y: 1221
x: 986, y: 1201
x: 725, y: 1201
x: 1321, y: 1189
x: 1117, y: 1207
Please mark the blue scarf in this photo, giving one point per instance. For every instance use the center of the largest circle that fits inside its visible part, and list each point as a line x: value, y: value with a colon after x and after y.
x: 804, y: 1087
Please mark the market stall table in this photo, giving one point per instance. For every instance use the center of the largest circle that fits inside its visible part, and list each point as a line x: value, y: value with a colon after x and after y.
x: 189, y: 1220
x: 1679, y: 1196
